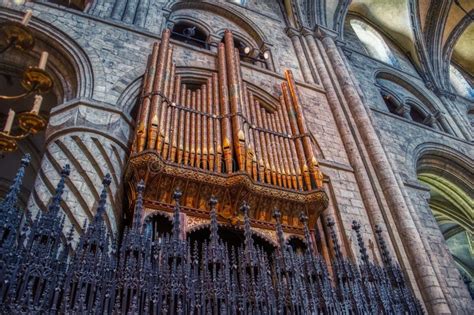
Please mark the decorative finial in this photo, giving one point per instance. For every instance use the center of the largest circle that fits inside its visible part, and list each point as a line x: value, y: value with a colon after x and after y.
x: 137, y: 214
x: 54, y: 206
x: 177, y: 195
x: 360, y: 241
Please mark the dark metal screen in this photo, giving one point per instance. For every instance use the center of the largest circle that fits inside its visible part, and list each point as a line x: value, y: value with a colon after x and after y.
x: 40, y: 273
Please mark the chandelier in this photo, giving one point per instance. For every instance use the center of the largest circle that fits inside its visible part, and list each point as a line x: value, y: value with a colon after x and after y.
x: 35, y: 81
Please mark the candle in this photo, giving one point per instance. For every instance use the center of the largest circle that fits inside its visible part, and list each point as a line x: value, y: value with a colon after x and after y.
x: 27, y: 17
x: 37, y: 104
x: 9, y: 123
x: 43, y: 60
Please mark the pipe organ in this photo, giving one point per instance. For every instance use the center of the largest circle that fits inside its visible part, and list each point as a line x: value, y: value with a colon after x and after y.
x: 218, y: 132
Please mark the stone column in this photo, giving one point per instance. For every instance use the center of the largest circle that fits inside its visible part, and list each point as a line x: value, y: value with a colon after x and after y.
x: 419, y: 258
x: 300, y: 55
x: 93, y: 139
x: 404, y: 110
x: 355, y: 159
x: 441, y: 118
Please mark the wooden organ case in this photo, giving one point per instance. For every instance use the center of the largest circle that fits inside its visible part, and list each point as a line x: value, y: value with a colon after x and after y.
x: 219, y: 138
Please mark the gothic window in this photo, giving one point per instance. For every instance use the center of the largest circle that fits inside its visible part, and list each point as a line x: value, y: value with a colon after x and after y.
x: 373, y: 42
x: 460, y: 83
x: 241, y: 2
x: 416, y: 115
x: 251, y: 55
x: 80, y: 5
x: 190, y: 34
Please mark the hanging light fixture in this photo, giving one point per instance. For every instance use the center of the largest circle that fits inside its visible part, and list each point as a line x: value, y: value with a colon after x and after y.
x: 17, y: 35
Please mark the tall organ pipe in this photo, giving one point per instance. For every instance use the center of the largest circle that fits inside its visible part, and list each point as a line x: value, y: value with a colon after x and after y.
x: 224, y: 110
x: 145, y: 107
x: 153, y: 119
x: 234, y: 99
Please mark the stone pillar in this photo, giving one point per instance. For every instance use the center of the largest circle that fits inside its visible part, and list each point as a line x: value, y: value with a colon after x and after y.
x: 441, y: 118
x: 367, y: 191
x: 425, y: 275
x: 404, y: 110
x: 300, y: 55
x: 93, y: 140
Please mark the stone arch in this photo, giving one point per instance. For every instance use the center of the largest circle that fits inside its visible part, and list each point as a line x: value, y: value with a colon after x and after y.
x: 71, y: 71
x: 449, y: 176
x: 178, y: 18
x: 130, y: 87
x: 422, y: 94
x: 239, y: 36
x: 450, y: 162
x: 69, y: 63
x: 225, y: 11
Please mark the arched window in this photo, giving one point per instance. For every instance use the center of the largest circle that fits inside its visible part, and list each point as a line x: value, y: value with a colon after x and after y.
x: 80, y: 5
x: 460, y: 83
x: 251, y: 55
x: 391, y: 103
x: 451, y: 203
x: 241, y: 2
x: 373, y: 42
x: 190, y: 34
x: 416, y: 115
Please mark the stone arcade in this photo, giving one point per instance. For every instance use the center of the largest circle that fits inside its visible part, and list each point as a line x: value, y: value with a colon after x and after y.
x: 248, y: 156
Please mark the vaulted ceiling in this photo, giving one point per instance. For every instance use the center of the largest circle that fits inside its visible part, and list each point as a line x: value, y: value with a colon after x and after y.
x: 433, y: 33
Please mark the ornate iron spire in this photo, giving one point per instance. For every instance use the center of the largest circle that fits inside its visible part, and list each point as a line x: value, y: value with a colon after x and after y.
x: 99, y: 216
x: 249, y: 247
x: 176, y: 214
x: 10, y: 200
x: 10, y: 217
x: 304, y: 219
x: 137, y: 215
x: 387, y: 260
x: 360, y: 241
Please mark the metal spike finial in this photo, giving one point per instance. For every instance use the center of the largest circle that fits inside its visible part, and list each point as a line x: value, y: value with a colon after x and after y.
x: 103, y: 197
x: 137, y: 214
x: 177, y: 194
x: 337, y: 248
x: 387, y: 260
x: 279, y: 230
x: 304, y: 219
x: 360, y: 241
x: 249, y: 248
x: 54, y: 206
x: 214, y: 237
x: 12, y: 195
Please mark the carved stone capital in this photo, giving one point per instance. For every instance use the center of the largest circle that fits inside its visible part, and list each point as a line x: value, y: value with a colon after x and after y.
x: 321, y: 32
x: 403, y: 109
x: 305, y: 31
x: 429, y: 120
x: 292, y: 32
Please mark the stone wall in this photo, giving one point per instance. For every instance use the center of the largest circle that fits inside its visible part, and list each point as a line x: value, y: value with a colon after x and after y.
x: 109, y: 45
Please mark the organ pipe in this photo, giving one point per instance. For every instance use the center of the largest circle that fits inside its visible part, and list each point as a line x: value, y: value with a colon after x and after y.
x: 220, y: 124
